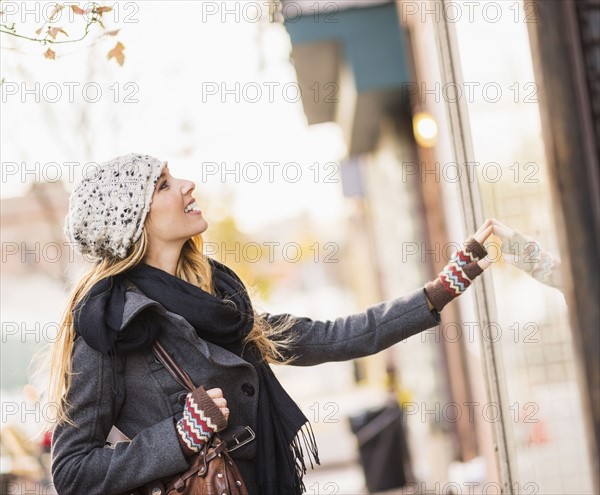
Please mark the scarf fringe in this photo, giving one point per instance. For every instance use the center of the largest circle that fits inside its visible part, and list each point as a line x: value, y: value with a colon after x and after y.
x: 304, y: 436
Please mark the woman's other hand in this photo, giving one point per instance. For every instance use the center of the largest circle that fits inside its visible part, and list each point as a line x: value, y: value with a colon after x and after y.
x: 216, y: 394
x: 205, y: 412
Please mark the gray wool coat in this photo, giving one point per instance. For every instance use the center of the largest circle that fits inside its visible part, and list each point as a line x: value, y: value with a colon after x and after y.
x: 150, y: 397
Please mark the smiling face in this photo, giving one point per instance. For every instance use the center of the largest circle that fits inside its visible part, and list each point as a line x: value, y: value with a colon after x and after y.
x: 174, y: 216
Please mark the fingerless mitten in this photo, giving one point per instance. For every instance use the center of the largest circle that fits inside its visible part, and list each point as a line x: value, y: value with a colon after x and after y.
x: 457, y: 275
x: 201, y: 418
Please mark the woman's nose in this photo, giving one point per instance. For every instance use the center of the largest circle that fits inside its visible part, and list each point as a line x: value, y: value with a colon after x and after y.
x: 188, y: 186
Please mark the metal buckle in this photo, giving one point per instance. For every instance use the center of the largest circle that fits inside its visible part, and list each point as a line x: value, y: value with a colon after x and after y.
x: 239, y: 443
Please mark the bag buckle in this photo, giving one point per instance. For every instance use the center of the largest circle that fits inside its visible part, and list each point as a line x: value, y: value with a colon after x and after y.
x: 243, y: 442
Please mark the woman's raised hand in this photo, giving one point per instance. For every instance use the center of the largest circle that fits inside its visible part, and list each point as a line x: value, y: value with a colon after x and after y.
x: 464, y: 267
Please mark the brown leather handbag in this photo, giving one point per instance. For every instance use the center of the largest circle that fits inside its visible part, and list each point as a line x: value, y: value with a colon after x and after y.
x: 212, y: 470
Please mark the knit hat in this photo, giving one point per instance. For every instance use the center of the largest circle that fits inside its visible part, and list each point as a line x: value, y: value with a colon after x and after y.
x: 108, y: 206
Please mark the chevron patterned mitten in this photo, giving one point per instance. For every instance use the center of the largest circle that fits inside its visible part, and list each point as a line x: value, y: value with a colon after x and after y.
x: 457, y: 275
x: 201, y: 418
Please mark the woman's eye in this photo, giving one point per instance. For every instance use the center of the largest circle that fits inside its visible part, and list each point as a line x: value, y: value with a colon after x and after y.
x: 163, y: 184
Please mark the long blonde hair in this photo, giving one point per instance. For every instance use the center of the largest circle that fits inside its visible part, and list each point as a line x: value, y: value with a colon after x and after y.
x: 193, y: 266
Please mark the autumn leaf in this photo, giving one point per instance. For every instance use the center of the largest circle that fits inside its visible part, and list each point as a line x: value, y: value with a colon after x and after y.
x: 56, y: 10
x: 55, y: 30
x: 101, y: 10
x: 77, y: 10
x: 112, y: 33
x: 39, y: 30
x: 50, y: 54
x: 117, y: 53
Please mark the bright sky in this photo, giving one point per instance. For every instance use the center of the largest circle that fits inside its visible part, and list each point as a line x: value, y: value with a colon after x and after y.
x: 173, y: 58
x: 168, y: 101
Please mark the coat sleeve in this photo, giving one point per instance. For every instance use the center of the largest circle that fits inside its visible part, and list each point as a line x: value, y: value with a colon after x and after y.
x: 80, y: 464
x: 360, y: 334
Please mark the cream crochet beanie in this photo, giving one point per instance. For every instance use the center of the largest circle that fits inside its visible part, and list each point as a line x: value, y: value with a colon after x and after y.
x: 109, y: 204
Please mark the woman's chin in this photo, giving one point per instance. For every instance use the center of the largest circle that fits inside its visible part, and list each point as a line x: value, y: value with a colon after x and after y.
x: 201, y: 228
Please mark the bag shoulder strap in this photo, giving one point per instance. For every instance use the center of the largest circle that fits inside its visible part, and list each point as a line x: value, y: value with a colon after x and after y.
x: 168, y: 362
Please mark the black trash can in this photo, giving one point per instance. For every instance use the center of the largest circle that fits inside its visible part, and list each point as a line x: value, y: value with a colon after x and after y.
x: 382, y: 446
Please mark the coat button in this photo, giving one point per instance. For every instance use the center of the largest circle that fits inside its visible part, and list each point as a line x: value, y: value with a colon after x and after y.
x: 248, y: 389
x: 181, y: 398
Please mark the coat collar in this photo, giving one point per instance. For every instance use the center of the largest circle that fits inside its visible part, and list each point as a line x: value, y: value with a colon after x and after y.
x: 136, y: 301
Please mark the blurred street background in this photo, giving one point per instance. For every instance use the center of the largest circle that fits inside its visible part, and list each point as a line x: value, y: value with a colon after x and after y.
x: 340, y: 150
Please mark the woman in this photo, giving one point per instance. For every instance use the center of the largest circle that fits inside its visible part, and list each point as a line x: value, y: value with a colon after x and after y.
x: 151, y: 281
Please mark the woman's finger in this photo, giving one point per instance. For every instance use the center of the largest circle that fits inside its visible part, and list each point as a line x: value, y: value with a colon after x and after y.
x: 483, y: 226
x: 484, y: 263
x: 481, y: 236
x: 215, y: 393
x: 498, y: 223
x: 502, y: 230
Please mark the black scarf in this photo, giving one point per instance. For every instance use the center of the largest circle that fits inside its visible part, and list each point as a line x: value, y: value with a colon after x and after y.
x: 282, y: 427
